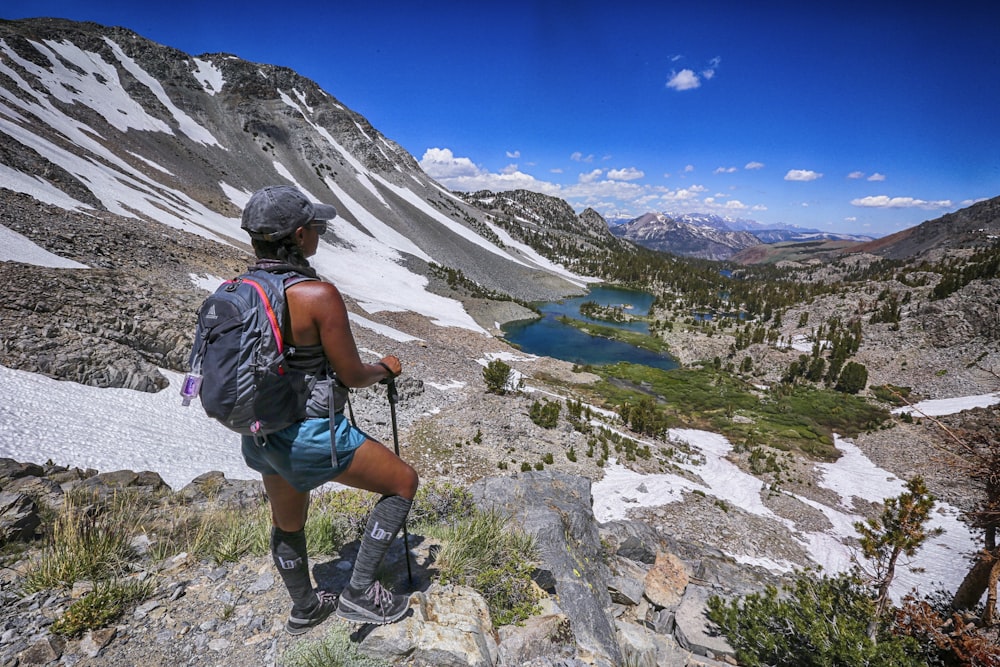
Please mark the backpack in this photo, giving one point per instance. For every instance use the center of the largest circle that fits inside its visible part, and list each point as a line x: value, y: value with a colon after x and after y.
x: 240, y: 355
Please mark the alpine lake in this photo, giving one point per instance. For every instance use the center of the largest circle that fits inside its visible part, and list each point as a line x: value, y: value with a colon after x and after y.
x: 563, y: 332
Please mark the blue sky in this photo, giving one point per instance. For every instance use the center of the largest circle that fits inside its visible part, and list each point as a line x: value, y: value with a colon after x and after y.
x: 864, y: 117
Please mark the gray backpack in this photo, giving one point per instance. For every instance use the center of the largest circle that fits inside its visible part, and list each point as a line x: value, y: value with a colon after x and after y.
x: 240, y: 355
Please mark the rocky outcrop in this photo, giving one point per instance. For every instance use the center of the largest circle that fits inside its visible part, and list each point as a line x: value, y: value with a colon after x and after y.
x: 116, y: 323
x: 628, y: 594
x: 618, y: 594
x: 556, y: 509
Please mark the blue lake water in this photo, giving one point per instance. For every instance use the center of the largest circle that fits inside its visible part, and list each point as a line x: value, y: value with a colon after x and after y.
x: 551, y: 338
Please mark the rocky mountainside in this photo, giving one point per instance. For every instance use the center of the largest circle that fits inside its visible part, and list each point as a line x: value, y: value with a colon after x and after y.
x: 970, y: 228
x: 535, y: 213
x: 952, y: 235
x: 101, y: 119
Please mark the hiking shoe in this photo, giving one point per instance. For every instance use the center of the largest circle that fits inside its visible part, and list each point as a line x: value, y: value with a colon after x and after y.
x: 373, y: 605
x: 299, y: 623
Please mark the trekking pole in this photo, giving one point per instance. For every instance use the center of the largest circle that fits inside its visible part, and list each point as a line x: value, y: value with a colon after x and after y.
x: 390, y: 385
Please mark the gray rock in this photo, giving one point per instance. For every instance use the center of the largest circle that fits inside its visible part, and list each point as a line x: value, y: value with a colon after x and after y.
x: 450, y: 627
x: 556, y: 509
x: 19, y: 517
x: 693, y: 629
x: 549, y: 637
x: 638, y: 645
x: 626, y: 590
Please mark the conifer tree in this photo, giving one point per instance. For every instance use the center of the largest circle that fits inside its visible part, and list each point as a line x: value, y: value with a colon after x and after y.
x: 900, y: 530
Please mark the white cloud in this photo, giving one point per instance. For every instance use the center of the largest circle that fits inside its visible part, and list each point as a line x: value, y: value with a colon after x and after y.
x: 876, y: 177
x: 441, y: 163
x: 856, y: 175
x: 736, y: 205
x: 628, y: 174
x: 580, y: 157
x: 884, y: 201
x: 725, y: 170
x: 709, y: 71
x: 802, y: 175
x: 513, y: 155
x: 688, y: 169
x: 591, y: 176
x: 683, y: 195
x: 754, y: 165
x: 684, y: 80
x: 556, y: 170
x: 851, y: 218
x: 460, y: 173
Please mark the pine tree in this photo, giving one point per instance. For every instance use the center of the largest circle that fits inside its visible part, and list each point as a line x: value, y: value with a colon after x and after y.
x: 900, y: 530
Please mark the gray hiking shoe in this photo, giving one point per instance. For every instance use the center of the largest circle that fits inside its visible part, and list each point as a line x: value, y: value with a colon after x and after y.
x: 298, y: 623
x: 373, y: 605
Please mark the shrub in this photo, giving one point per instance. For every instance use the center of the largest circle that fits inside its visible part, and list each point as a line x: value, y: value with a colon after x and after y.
x: 891, y: 393
x: 545, y: 414
x: 945, y: 638
x: 438, y: 501
x: 814, y: 622
x: 499, y: 378
x: 337, y: 518
x: 853, y: 378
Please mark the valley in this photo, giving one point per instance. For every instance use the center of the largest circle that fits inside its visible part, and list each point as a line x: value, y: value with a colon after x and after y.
x: 116, y: 233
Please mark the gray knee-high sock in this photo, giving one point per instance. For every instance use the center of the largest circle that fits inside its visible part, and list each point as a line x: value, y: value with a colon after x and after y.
x: 292, y: 560
x: 384, y: 522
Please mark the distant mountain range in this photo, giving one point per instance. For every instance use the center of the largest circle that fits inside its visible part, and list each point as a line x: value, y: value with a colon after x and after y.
x: 711, y: 236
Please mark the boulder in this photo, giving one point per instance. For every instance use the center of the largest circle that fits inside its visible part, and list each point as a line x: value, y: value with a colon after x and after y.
x: 694, y: 631
x: 107, y: 484
x: 666, y: 581
x: 450, y: 627
x: 18, y: 517
x: 549, y: 637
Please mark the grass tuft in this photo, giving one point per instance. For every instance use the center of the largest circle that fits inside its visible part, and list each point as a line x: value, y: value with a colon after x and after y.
x: 487, y: 552
x: 334, y: 650
x: 86, y: 542
x: 101, y: 606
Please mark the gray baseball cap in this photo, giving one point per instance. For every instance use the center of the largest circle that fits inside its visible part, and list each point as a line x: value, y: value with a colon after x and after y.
x: 276, y: 211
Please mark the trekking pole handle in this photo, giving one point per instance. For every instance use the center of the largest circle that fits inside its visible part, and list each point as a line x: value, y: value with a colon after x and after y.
x: 390, y: 383
x: 390, y: 387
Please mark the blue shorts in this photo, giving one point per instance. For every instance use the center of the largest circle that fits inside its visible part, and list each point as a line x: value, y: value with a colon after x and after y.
x: 300, y: 453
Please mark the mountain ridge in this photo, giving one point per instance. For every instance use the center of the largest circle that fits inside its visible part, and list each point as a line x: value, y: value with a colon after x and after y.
x: 711, y: 236
x: 188, y: 155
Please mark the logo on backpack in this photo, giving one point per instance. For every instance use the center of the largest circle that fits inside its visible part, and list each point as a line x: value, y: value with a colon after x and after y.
x: 241, y: 359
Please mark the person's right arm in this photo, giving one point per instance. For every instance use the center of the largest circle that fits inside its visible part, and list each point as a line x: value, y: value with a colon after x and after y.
x: 319, y: 315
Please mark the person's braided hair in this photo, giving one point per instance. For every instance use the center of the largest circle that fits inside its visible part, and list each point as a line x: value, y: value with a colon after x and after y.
x: 285, y: 250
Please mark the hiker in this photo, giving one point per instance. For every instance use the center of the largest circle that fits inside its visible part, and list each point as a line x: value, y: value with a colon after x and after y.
x: 284, y: 228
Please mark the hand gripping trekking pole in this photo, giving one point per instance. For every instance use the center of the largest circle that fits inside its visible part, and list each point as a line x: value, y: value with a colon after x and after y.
x: 390, y: 385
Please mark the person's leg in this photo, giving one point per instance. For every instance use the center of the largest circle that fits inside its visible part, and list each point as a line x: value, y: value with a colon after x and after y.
x: 291, y: 557
x: 376, y: 468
